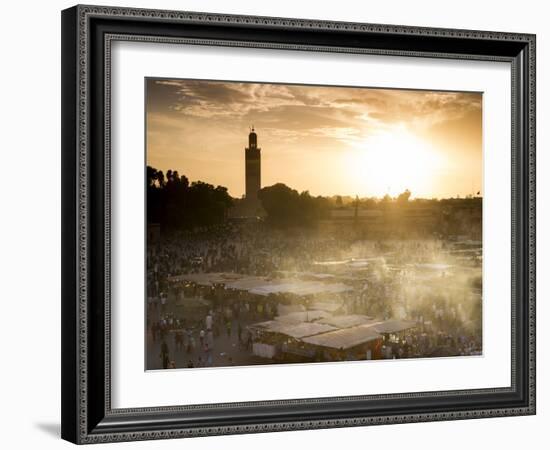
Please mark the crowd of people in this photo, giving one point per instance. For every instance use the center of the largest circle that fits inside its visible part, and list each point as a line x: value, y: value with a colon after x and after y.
x: 217, y: 334
x: 232, y: 248
x: 446, y: 307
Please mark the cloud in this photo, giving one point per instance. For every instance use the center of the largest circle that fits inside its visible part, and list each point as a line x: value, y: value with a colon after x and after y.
x: 209, y: 120
x: 298, y: 107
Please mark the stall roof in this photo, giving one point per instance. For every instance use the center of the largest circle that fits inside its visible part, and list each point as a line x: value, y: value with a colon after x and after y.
x: 393, y: 326
x: 264, y: 286
x: 299, y: 288
x: 347, y: 321
x: 248, y: 283
x: 344, y: 338
x: 358, y: 264
x: 292, y: 329
x: 304, y: 275
x: 352, y: 263
x: 331, y: 263
x: 208, y: 279
x: 433, y: 266
x: 283, y: 309
x: 326, y: 306
x: 303, y: 316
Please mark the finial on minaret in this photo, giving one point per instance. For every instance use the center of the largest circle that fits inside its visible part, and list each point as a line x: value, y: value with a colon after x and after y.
x: 252, y: 167
x: 252, y: 138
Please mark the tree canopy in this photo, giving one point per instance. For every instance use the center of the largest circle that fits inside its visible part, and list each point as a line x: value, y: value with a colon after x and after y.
x: 174, y: 203
x: 286, y: 207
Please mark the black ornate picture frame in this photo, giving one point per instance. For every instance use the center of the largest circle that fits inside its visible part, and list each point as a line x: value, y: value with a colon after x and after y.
x: 87, y: 35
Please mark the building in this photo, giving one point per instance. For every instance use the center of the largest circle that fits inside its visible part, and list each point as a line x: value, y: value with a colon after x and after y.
x: 409, y: 221
x: 250, y: 207
x: 253, y: 167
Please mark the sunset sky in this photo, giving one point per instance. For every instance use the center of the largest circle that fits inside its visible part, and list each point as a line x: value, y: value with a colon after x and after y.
x: 328, y: 140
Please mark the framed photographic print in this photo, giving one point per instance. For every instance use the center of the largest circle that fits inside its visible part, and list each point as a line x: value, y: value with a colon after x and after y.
x: 279, y: 224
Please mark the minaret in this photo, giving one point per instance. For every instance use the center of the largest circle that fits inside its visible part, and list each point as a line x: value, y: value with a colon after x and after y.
x: 253, y: 167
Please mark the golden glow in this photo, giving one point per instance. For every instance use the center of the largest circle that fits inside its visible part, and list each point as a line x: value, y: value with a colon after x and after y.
x: 324, y: 139
x: 393, y: 161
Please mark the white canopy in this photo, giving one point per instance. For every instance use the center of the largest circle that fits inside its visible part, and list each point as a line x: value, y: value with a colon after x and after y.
x: 347, y: 321
x: 299, y: 288
x: 393, y: 326
x: 292, y: 329
x: 326, y: 306
x: 303, y: 316
x: 264, y: 286
x: 344, y: 338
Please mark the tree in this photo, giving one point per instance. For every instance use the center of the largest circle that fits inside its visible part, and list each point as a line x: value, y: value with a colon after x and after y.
x: 160, y: 178
x: 404, y: 197
x: 151, y: 176
x: 286, y: 207
x: 369, y: 203
x: 176, y: 204
x: 280, y: 203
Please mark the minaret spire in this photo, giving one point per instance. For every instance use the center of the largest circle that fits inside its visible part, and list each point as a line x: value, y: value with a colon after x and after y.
x: 252, y: 166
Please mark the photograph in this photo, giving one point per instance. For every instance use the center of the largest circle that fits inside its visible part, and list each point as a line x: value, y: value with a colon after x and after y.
x: 273, y: 222
x: 292, y: 223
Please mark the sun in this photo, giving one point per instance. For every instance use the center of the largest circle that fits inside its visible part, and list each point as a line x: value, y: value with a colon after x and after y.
x: 391, y: 161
